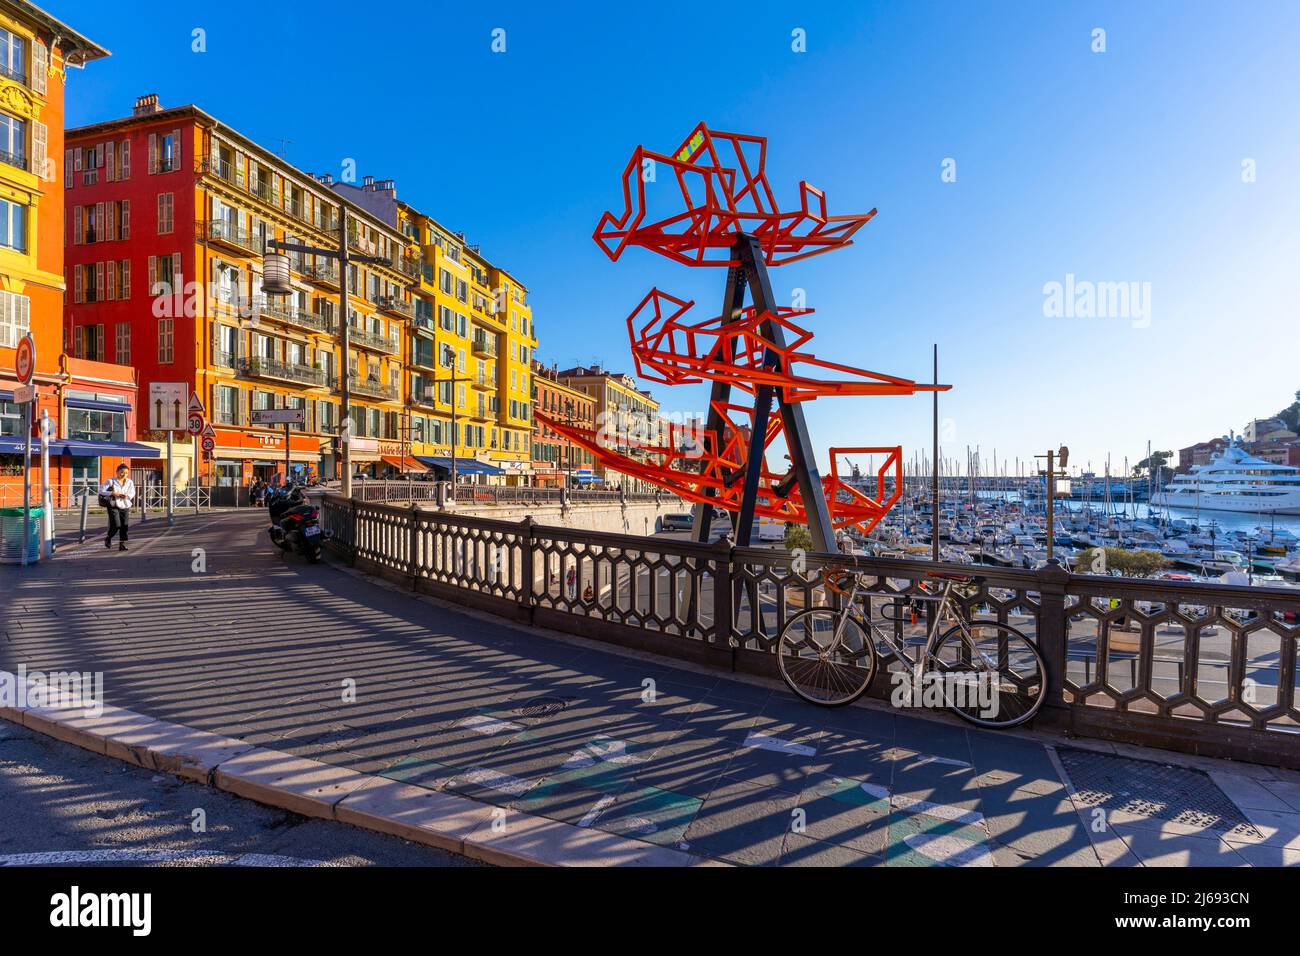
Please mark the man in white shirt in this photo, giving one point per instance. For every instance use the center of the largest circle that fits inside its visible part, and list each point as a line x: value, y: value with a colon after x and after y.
x: 120, y: 492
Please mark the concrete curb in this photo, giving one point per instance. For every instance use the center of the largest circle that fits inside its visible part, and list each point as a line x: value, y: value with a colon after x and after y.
x: 480, y: 831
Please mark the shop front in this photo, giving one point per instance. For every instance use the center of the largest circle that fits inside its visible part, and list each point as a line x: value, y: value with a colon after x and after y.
x: 242, y: 457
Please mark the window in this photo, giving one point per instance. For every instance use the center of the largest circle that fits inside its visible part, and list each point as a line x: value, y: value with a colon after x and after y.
x: 13, y: 56
x: 11, y: 418
x: 166, y: 213
x: 88, y: 425
x: 227, y: 405
x: 13, y: 140
x: 166, y: 352
x: 15, y: 318
x: 165, y: 151
x: 122, y: 343
x: 13, y: 225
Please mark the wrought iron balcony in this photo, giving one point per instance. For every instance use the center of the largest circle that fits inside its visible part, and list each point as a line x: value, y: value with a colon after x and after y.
x: 281, y: 311
x: 395, y: 306
x: 10, y: 73
x: 366, y: 339
x: 231, y: 235
x: 485, y: 383
x: 259, y: 367
x: 322, y: 273
x: 226, y: 171
x: 485, y: 346
x: 372, y: 387
x: 13, y: 159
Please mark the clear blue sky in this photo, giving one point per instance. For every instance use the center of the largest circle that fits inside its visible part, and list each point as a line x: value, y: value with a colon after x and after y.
x: 1122, y: 166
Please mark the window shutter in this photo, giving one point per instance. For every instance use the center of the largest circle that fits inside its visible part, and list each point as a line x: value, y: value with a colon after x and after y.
x: 77, y: 159
x: 124, y: 220
x: 153, y: 275
x: 99, y: 343
x: 67, y: 169
x: 153, y: 153
x: 110, y: 281
x: 109, y: 156
x: 124, y: 161
x: 78, y: 283
x: 40, y: 136
x: 125, y: 291
x: 76, y: 225
x: 177, y: 152
x: 178, y: 272
x: 99, y: 281
x: 79, y: 341
x: 241, y: 345
x: 40, y: 67
x: 101, y: 233
x: 215, y: 402
x: 240, y: 416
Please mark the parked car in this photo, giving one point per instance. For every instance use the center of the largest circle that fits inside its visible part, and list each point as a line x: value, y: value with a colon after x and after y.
x: 676, y: 522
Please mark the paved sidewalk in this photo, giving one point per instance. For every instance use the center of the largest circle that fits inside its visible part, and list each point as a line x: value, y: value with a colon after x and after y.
x: 240, y: 641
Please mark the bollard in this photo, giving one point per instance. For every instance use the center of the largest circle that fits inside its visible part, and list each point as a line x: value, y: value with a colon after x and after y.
x: 85, y: 514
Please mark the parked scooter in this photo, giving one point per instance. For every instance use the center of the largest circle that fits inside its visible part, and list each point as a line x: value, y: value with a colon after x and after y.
x: 295, y: 524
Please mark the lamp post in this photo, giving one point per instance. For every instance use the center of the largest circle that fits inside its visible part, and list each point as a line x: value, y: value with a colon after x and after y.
x: 275, y: 281
x: 1054, y: 458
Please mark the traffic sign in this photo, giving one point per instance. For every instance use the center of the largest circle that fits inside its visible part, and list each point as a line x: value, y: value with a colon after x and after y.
x: 209, y: 443
x: 24, y: 394
x: 196, y: 404
x: 25, y: 358
x: 277, y: 416
x: 195, y: 424
x: 167, y: 406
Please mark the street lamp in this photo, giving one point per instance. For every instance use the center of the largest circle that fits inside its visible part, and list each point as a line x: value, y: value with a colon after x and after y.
x: 1054, y: 459
x: 275, y: 281
x: 453, y: 382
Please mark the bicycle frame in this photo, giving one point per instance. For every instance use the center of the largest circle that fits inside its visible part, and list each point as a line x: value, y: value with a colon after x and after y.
x: 944, y: 606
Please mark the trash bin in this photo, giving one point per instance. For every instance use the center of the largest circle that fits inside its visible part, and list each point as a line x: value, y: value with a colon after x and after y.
x: 11, y: 535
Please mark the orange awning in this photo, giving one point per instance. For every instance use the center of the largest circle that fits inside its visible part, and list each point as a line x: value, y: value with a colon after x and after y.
x: 405, y: 465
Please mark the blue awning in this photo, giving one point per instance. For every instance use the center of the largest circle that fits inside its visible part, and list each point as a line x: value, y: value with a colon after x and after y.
x: 82, y: 449
x: 97, y: 406
x: 464, y: 466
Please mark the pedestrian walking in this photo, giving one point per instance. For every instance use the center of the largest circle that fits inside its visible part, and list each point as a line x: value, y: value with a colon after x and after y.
x: 118, y: 495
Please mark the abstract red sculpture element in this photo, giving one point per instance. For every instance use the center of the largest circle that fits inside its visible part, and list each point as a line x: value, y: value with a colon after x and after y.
x: 724, y: 192
x: 725, y: 215
x: 669, y: 350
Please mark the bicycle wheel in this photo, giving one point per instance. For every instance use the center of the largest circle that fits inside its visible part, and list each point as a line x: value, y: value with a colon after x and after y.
x: 819, y: 668
x: 993, y: 678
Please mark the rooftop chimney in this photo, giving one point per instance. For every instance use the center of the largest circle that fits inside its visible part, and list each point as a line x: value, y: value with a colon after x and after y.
x: 325, y: 179
x: 368, y: 182
x: 144, y: 105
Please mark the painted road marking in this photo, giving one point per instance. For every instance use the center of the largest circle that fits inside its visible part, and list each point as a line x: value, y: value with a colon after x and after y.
x: 759, y: 741
x: 206, y: 857
x: 941, y: 811
x: 930, y: 758
x: 606, y: 750
x: 486, y: 724
x: 481, y: 777
x: 596, y: 810
x: 949, y: 850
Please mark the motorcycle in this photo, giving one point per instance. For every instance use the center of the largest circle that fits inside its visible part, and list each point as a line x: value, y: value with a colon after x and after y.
x: 295, y: 524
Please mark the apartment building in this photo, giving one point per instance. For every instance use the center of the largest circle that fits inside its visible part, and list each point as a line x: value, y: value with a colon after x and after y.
x: 169, y: 214
x: 626, y: 418
x: 89, y: 404
x: 558, y: 462
x: 467, y: 352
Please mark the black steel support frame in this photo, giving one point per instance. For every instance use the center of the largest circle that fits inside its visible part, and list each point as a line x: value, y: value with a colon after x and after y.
x: 751, y: 273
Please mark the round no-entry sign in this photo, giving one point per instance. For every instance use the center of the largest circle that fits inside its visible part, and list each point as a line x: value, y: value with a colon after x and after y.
x: 25, y: 359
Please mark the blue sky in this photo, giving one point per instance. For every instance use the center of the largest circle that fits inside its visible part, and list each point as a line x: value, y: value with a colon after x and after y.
x: 1120, y: 166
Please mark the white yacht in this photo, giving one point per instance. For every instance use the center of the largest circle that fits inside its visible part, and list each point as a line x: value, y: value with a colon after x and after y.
x: 1235, y: 481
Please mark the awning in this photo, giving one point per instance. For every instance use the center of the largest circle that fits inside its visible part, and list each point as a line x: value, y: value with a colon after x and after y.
x: 406, y: 464
x: 474, y: 467
x: 432, y: 461
x: 96, y: 405
x: 106, y: 449
x: 84, y: 449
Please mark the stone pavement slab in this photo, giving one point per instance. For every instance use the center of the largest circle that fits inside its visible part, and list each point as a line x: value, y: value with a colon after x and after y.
x: 353, y: 698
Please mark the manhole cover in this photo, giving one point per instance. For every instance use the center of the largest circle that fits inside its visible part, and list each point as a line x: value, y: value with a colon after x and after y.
x: 1173, y: 794
x: 543, y: 706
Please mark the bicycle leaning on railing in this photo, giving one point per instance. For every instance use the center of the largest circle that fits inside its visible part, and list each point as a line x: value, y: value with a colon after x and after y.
x: 986, y: 672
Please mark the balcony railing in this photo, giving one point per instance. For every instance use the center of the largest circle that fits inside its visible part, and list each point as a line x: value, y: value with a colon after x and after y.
x: 390, y: 303
x: 13, y: 159
x: 17, y: 76
x: 373, y: 340
x: 372, y: 387
x: 485, y: 346
x: 284, y: 372
x: 225, y: 171
x: 322, y: 273
x: 424, y: 323
x: 282, y: 312
x: 483, y: 382
x: 232, y: 235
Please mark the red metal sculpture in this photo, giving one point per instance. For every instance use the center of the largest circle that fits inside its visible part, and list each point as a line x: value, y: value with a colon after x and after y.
x: 724, y: 214
x: 718, y: 202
